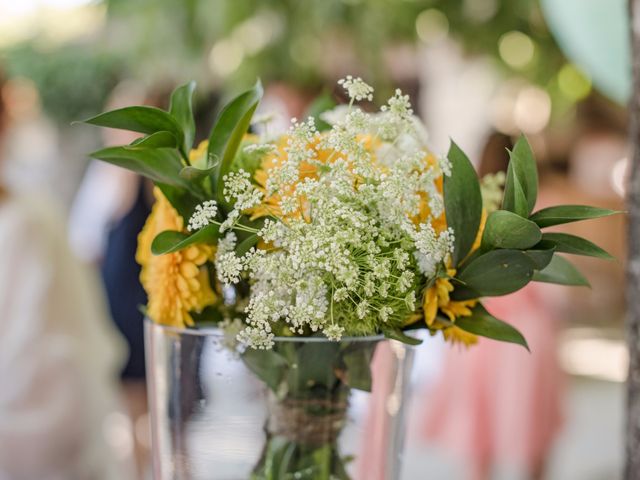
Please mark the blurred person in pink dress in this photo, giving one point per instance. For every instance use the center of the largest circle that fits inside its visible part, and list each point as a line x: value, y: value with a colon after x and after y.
x: 496, y: 403
x: 59, y: 356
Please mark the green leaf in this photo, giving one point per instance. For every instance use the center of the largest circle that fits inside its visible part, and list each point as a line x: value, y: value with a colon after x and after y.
x: 171, y: 241
x: 562, y: 272
x: 526, y: 170
x: 195, y: 174
x: 181, y: 108
x: 161, y: 139
x: 541, y: 255
x: 161, y: 165
x: 313, y: 366
x: 567, y: 243
x: 246, y: 244
x: 514, y: 198
x: 399, y: 335
x: 497, y: 272
x: 463, y: 202
x: 484, y: 324
x: 505, y: 229
x: 141, y: 119
x: 228, y: 131
x: 560, y: 214
x: 358, y: 366
x: 268, y: 365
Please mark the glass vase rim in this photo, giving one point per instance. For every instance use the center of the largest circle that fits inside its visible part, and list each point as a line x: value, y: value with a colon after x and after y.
x: 218, y: 332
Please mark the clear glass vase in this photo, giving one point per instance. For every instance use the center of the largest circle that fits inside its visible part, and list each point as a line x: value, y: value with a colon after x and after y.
x: 307, y: 409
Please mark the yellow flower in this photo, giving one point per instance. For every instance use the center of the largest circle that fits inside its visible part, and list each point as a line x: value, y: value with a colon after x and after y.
x: 176, y: 283
x: 198, y: 156
x: 455, y: 334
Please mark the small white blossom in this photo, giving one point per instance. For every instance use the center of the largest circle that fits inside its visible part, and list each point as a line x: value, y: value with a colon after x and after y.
x: 356, y: 88
x: 385, y: 312
x: 259, y: 148
x: 445, y: 165
x: 334, y: 332
x: 204, y: 214
x: 229, y: 267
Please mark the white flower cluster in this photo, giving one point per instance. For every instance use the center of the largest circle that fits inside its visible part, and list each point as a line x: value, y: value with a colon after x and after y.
x: 366, y: 245
x: 356, y: 88
x: 204, y: 214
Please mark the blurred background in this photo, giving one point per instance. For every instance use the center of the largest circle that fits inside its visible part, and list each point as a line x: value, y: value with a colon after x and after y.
x: 478, y: 71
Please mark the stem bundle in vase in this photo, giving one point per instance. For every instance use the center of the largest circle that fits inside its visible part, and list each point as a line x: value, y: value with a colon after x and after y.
x: 309, y: 386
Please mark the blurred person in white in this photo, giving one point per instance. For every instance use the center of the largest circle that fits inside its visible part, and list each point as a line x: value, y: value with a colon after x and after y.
x: 59, y: 355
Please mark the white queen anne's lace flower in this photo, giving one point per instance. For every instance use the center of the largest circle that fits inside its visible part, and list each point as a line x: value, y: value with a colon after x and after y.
x: 364, y: 249
x: 204, y: 214
x: 356, y: 88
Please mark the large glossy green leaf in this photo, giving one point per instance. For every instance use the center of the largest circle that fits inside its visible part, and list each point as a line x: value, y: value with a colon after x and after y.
x: 228, y: 131
x: 524, y: 165
x: 141, y: 119
x: 506, y: 229
x: 171, y: 241
x: 463, y: 202
x: 560, y: 214
x: 514, y: 199
x: 181, y: 108
x: 567, y: 243
x: 562, y: 272
x: 497, y: 272
x: 161, y: 165
x: 484, y: 324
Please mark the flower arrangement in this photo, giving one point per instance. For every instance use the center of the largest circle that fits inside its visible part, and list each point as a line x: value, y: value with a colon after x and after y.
x: 353, y: 229
x: 345, y: 228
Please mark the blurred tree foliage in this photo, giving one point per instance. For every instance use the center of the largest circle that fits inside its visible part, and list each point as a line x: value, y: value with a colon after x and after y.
x: 226, y: 43
x: 73, y: 81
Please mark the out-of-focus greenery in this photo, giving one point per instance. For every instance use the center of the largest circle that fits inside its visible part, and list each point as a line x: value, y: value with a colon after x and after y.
x: 301, y: 42
x: 73, y: 81
x: 228, y: 43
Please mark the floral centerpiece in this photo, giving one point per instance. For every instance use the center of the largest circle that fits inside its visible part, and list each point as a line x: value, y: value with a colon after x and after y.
x: 345, y: 226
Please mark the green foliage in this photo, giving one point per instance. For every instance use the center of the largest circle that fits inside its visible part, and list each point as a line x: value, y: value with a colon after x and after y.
x: 171, y: 241
x: 566, y: 243
x: 141, y: 119
x: 484, y: 324
x: 550, y: 216
x: 181, y: 108
x: 228, y: 131
x: 73, y: 81
x: 162, y: 165
x: 397, y: 334
x: 496, y: 273
x: 269, y: 365
x: 562, y: 272
x: 505, y: 229
x: 160, y: 139
x: 526, y: 171
x: 514, y: 199
x: 463, y: 202
x: 541, y: 255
